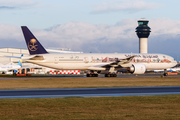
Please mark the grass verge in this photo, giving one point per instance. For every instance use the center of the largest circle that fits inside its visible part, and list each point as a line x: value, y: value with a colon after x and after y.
x: 87, y: 82
x: 113, y: 108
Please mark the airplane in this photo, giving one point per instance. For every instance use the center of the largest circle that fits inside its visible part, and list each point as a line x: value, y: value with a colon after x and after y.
x: 5, y: 68
x: 94, y: 63
x: 168, y: 70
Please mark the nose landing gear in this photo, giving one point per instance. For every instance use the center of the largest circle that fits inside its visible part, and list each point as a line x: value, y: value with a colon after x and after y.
x: 165, y: 72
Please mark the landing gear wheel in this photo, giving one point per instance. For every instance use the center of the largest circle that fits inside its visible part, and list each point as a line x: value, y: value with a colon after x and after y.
x: 92, y: 75
x: 165, y: 74
x: 114, y: 75
x: 110, y: 75
x: 107, y: 75
x: 87, y: 75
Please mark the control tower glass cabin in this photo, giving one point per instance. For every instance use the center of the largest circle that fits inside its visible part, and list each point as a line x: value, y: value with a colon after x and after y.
x: 143, y: 32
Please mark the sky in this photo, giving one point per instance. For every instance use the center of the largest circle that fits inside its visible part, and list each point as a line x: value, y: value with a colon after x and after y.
x: 97, y: 26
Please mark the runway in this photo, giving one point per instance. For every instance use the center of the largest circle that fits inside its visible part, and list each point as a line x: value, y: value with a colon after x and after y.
x: 88, y: 92
x: 79, y: 76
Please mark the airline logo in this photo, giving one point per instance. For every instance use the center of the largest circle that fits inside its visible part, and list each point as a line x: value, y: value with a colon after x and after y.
x: 32, y: 45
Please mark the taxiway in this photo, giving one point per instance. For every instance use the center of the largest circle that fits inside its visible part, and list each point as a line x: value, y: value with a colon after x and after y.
x: 79, y: 76
x: 88, y: 92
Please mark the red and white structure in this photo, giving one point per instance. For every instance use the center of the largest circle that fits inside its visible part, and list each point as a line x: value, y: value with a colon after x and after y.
x: 65, y: 72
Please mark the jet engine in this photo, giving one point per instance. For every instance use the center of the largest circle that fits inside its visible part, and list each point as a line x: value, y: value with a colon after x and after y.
x: 137, y: 68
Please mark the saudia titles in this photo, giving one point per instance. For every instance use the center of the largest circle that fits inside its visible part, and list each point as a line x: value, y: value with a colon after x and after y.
x: 32, y: 45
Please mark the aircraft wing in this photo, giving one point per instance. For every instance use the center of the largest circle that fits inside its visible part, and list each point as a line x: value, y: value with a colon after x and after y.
x: 12, y: 56
x: 24, y: 67
x: 119, y: 62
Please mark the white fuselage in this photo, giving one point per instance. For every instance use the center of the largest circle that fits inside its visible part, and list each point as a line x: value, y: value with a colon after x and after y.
x: 5, y: 68
x: 93, y: 61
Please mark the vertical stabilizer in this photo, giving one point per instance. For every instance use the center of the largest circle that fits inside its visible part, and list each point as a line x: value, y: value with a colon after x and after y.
x: 33, y: 45
x: 20, y: 62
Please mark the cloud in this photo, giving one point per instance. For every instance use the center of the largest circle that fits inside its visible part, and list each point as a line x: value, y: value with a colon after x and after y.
x: 166, y: 26
x: 101, y: 38
x: 120, y: 37
x: 22, y: 4
x: 88, y: 37
x: 16, y: 4
x: 10, y: 32
x: 6, y: 7
x: 129, y: 6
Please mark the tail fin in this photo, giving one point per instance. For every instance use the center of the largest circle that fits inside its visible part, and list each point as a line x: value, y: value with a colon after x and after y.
x: 33, y: 45
x: 20, y: 62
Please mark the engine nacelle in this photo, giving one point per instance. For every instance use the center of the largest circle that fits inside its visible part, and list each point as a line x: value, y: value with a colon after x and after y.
x: 137, y: 68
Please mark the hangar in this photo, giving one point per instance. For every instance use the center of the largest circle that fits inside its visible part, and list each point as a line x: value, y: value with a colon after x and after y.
x: 36, y: 69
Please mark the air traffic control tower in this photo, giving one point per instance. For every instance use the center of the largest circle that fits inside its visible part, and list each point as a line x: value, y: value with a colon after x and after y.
x: 143, y: 31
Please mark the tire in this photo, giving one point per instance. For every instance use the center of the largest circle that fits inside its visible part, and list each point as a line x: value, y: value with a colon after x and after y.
x: 90, y: 75
x: 111, y: 75
x: 108, y: 75
x: 165, y: 74
x: 105, y: 75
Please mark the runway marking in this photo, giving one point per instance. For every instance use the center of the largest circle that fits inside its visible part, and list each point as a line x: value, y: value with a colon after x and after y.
x: 81, y: 76
x: 88, y: 92
x: 89, y: 95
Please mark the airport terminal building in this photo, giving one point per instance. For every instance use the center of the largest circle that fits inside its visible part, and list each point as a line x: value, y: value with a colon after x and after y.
x: 36, y: 69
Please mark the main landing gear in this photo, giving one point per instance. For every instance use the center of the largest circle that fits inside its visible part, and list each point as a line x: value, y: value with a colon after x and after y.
x: 110, y: 75
x: 92, y: 75
x: 95, y: 74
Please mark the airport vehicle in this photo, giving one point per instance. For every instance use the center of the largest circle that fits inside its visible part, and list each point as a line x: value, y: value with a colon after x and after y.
x: 106, y: 64
x: 6, y: 68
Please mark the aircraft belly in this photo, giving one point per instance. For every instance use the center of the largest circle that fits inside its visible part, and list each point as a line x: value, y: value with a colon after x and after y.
x: 155, y: 66
x: 73, y: 66
x: 65, y: 66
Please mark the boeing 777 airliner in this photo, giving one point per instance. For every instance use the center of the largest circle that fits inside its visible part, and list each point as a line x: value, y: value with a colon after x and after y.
x: 106, y: 64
